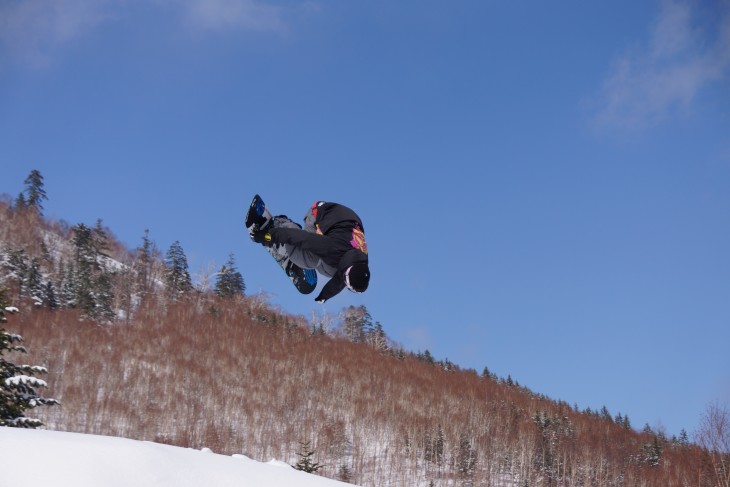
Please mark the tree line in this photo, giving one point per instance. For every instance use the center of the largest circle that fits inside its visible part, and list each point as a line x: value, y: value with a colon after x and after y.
x: 83, y: 273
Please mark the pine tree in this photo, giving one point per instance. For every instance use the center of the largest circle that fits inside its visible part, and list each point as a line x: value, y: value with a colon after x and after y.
x: 605, y: 414
x: 67, y: 293
x: 82, y: 272
x: 428, y: 358
x: 49, y: 296
x: 83, y: 245
x: 466, y: 458
x: 177, y: 277
x: 34, y: 283
x: 377, y: 338
x: 358, y: 323
x: 99, y: 241
x: 229, y: 282
x: 20, y: 203
x: 143, y: 263
x: 18, y: 383
x: 34, y: 194
x: 305, y: 463
x: 16, y: 268
x: 683, y: 439
x: 103, y: 298
x: 652, y: 452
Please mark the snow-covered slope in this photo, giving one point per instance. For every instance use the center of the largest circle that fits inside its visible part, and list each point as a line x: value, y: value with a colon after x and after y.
x: 40, y: 457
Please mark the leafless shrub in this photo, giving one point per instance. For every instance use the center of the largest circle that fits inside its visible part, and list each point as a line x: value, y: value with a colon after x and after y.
x: 714, y: 436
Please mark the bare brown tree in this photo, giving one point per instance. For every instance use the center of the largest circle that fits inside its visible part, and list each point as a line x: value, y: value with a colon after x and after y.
x: 714, y: 436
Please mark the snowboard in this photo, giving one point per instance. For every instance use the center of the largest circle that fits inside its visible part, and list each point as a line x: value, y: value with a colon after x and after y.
x: 259, y: 217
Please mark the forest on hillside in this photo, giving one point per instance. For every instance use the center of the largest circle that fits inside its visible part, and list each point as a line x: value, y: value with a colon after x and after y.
x: 135, y: 349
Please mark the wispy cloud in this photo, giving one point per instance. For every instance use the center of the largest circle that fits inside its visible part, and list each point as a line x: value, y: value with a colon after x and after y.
x: 33, y: 29
x: 233, y: 14
x: 652, y: 83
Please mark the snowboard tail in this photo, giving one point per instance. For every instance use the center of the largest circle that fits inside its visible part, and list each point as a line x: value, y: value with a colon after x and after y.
x: 258, y: 217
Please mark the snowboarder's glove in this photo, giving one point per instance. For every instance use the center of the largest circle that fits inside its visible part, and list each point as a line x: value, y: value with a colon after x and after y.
x: 263, y: 237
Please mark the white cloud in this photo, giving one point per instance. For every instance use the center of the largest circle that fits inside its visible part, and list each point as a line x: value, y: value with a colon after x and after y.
x: 654, y: 82
x: 233, y: 14
x: 33, y: 29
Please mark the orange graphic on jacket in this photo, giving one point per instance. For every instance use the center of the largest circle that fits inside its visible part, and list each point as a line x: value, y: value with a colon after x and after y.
x: 358, y: 240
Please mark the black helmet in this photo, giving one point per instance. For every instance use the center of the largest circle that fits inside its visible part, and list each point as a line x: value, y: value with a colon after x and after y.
x: 357, y: 277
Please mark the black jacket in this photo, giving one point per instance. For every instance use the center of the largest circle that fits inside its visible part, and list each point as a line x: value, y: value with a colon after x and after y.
x: 339, y: 241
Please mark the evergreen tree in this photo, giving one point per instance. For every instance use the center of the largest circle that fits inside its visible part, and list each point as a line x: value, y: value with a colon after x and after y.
x: 20, y: 203
x: 67, y: 293
x: 83, y: 245
x: 683, y: 439
x: 486, y: 374
x: 16, y: 267
x: 82, y: 273
x: 34, y: 283
x: 18, y: 383
x: 99, y: 241
x: 428, y: 358
x: 605, y: 414
x: 466, y: 459
x: 305, y: 463
x: 358, y: 323
x: 34, y: 194
x: 103, y: 298
x: 177, y: 278
x: 143, y: 263
x: 652, y: 452
x: 229, y: 282
x: 49, y: 296
x: 378, y: 339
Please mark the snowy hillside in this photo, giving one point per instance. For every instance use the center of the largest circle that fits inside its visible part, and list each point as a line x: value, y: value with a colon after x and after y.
x: 38, y: 457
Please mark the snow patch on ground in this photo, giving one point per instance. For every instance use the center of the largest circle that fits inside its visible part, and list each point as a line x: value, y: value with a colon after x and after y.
x: 40, y: 457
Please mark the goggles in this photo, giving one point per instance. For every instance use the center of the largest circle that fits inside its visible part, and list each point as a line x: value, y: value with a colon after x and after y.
x: 347, y: 281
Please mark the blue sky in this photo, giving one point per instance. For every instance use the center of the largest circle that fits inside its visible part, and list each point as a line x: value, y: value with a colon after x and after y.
x: 544, y: 186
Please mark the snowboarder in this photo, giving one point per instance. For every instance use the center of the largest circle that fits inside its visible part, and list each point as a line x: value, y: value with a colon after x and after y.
x: 332, y: 241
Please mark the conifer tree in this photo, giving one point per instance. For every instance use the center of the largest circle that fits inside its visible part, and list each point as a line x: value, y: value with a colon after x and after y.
x: 18, y: 383
x: 358, y: 323
x: 99, y: 241
x: 377, y: 338
x: 428, y: 357
x: 683, y: 439
x: 16, y: 269
x: 143, y: 263
x: 20, y: 203
x: 49, y: 296
x: 34, y: 283
x: 229, y: 282
x: 103, y: 298
x: 466, y: 459
x: 34, y: 194
x: 652, y: 452
x: 305, y: 463
x: 177, y: 278
x: 67, y: 292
